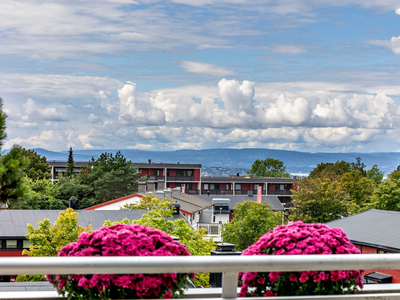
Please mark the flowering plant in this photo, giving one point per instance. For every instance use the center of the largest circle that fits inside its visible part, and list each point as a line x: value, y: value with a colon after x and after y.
x: 121, y: 240
x: 299, y: 238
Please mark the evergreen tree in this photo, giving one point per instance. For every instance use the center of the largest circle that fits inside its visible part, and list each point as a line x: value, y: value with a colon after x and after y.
x: 70, y: 164
x: 38, y: 168
x: 13, y: 186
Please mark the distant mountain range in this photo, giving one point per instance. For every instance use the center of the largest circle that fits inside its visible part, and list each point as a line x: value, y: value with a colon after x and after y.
x: 221, y: 162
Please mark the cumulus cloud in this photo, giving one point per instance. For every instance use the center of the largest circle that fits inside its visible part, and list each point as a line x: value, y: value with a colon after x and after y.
x: 45, y: 139
x: 398, y: 11
x: 237, y: 97
x: 204, y: 68
x: 45, y: 114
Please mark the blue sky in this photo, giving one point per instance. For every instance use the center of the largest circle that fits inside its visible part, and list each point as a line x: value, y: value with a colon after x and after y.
x: 165, y: 75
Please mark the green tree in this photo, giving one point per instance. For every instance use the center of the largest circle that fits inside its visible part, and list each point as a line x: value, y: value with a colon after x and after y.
x: 47, y: 240
x: 13, y: 183
x: 326, y: 169
x: 13, y: 188
x: 359, y: 189
x: 359, y: 166
x: 38, y: 168
x: 73, y: 186
x: 70, y: 164
x: 251, y: 221
x: 112, y: 177
x: 387, y: 195
x: 375, y: 174
x: 320, y: 200
x: 148, y: 202
x: 269, y: 167
x: 43, y: 195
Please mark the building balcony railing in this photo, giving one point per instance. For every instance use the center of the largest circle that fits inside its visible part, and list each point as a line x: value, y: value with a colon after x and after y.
x: 180, y: 178
x: 217, y: 192
x: 247, y: 192
x: 192, y: 192
x: 156, y: 177
x: 279, y: 192
x: 230, y: 266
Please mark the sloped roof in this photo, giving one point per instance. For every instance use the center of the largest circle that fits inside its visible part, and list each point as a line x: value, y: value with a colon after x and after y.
x: 114, y: 201
x: 271, y: 200
x: 374, y: 228
x: 13, y: 223
x: 190, y: 204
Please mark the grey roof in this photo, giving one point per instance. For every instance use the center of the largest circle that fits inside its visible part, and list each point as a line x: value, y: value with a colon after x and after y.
x: 13, y: 223
x: 246, y: 179
x: 189, y: 203
x: 153, y: 165
x: 271, y: 200
x: 374, y: 228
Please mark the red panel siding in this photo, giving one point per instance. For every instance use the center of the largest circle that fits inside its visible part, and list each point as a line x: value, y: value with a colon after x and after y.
x: 172, y: 172
x: 145, y: 172
x: 196, y: 174
x: 246, y: 186
x: 11, y: 253
x: 271, y: 186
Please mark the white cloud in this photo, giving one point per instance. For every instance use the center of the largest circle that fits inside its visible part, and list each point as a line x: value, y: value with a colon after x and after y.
x: 204, y: 68
x: 287, y: 49
x: 237, y: 97
x: 398, y: 11
x: 46, y: 139
x: 45, y: 114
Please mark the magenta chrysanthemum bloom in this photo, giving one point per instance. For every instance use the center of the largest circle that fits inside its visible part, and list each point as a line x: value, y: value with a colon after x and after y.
x: 121, y: 240
x: 298, y: 238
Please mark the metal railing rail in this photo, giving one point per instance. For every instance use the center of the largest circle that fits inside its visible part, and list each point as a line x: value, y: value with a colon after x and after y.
x: 228, y: 265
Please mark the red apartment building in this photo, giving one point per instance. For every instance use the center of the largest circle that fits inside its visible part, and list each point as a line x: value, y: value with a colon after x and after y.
x: 171, y: 175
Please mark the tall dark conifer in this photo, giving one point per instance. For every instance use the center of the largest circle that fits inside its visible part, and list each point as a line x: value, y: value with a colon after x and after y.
x: 70, y: 164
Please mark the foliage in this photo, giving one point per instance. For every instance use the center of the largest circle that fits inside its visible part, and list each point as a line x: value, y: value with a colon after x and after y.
x: 320, y: 200
x: 359, y: 189
x: 48, y: 240
x: 160, y: 217
x: 122, y: 240
x: 375, y: 174
x: 298, y: 239
x: 72, y: 186
x: 387, y: 195
x: 359, y: 166
x: 43, y: 195
x: 30, y: 278
x: 70, y: 164
x: 148, y: 202
x: 13, y: 183
x: 329, y: 169
x: 269, y: 167
x: 251, y: 221
x: 38, y: 168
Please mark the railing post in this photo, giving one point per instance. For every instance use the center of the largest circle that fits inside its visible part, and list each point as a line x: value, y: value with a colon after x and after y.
x: 229, y: 284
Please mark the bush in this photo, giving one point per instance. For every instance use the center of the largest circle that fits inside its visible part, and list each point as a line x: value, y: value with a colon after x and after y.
x: 299, y: 238
x: 121, y: 240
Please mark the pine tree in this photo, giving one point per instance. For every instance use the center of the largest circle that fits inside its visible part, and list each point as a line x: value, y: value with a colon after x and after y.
x: 70, y: 164
x: 13, y: 184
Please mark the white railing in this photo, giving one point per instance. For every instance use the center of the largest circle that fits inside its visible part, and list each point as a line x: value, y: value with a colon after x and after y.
x: 230, y: 266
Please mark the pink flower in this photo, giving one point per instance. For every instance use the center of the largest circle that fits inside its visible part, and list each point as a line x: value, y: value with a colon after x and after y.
x: 269, y: 294
x: 292, y: 277
x: 273, y: 276
x: 303, y: 277
x: 261, y: 280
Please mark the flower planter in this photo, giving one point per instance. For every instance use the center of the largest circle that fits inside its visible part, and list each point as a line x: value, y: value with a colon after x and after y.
x: 299, y: 238
x: 121, y: 240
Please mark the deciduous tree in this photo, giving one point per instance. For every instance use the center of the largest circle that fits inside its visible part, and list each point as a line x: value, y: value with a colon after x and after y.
x: 269, y: 167
x: 251, y: 221
x: 38, y: 168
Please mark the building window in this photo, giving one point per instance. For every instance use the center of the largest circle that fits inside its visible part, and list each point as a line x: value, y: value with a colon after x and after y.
x: 256, y: 187
x: 1, y: 244
x: 206, y: 186
x: 238, y: 187
x: 227, y: 187
x: 11, y: 244
x: 190, y: 173
x: 26, y: 244
x: 156, y: 172
x: 189, y: 186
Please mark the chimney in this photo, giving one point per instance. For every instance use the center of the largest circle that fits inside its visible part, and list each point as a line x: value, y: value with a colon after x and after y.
x: 73, y: 203
x: 168, y: 193
x: 161, y: 184
x: 237, y: 174
x: 142, y: 187
x: 149, y: 161
x: 151, y: 186
x: 250, y: 193
x: 177, y: 208
x: 160, y: 194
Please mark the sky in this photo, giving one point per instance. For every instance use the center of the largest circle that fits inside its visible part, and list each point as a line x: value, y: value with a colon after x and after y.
x: 304, y: 75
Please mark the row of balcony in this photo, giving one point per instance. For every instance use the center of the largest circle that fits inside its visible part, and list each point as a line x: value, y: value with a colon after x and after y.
x: 239, y: 192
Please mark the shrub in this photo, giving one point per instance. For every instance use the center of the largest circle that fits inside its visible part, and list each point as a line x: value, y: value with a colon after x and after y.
x: 299, y: 238
x: 121, y: 240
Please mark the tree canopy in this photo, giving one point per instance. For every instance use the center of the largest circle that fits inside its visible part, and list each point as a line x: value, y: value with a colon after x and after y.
x: 38, y: 168
x: 268, y: 167
x: 251, y: 221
